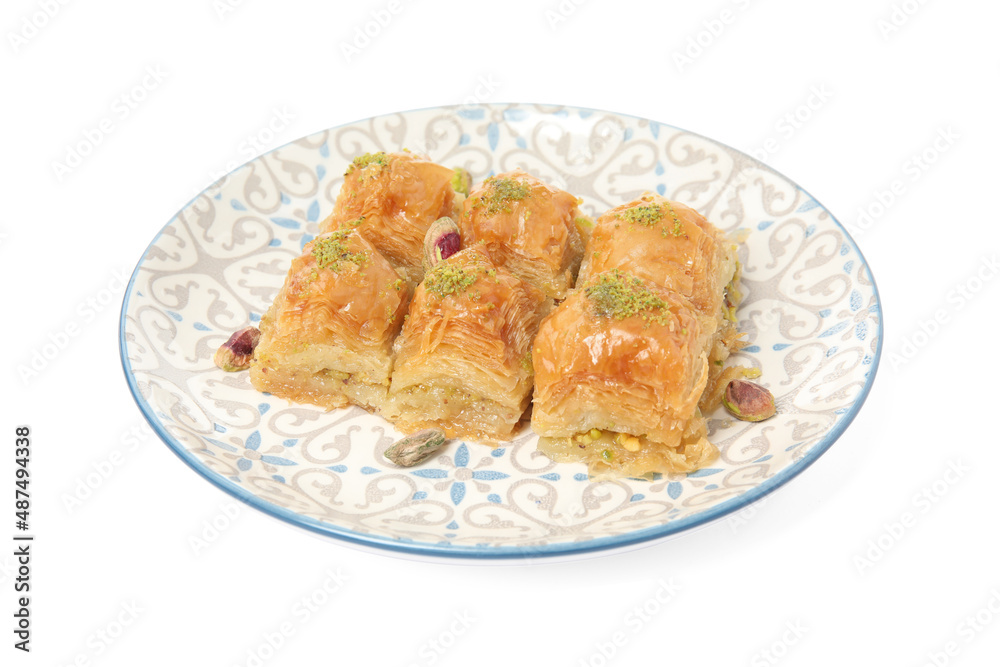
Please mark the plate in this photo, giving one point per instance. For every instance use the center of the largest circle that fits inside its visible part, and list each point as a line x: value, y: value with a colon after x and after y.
x: 811, y: 314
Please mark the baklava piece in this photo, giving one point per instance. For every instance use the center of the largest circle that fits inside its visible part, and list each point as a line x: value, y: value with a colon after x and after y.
x: 620, y: 366
x: 528, y: 228
x: 327, y: 338
x: 464, y: 362
x: 673, y: 246
x: 392, y: 199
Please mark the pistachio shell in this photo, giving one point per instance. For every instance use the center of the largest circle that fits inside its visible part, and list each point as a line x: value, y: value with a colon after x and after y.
x: 235, y: 354
x: 416, y: 448
x: 442, y: 240
x: 748, y: 401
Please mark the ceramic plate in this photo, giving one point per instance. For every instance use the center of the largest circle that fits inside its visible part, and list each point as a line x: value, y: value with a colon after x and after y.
x: 811, y: 314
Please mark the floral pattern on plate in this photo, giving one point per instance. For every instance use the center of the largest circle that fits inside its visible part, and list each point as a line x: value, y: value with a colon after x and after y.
x: 811, y: 315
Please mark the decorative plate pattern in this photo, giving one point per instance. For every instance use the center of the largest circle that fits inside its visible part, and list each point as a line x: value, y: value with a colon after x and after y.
x: 811, y: 314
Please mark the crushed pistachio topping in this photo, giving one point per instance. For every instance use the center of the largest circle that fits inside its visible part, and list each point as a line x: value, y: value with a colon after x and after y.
x: 678, y: 228
x: 310, y: 277
x: 447, y: 278
x: 331, y: 251
x: 392, y: 285
x: 652, y: 214
x: 526, y: 364
x: 356, y: 223
x: 620, y: 295
x: 500, y: 192
x: 367, y: 160
x: 648, y: 214
x: 302, y: 286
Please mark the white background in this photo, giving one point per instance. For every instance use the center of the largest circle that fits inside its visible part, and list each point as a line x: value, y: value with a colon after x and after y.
x: 824, y: 573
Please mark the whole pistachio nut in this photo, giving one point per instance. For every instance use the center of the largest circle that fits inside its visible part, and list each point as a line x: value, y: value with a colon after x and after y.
x: 235, y: 354
x: 416, y: 448
x: 748, y: 401
x: 461, y: 181
x: 441, y: 241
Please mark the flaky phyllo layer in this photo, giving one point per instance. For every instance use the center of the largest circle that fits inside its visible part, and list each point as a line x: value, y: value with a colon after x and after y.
x: 527, y: 227
x: 463, y: 360
x: 327, y: 338
x: 623, y: 365
x: 392, y: 199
